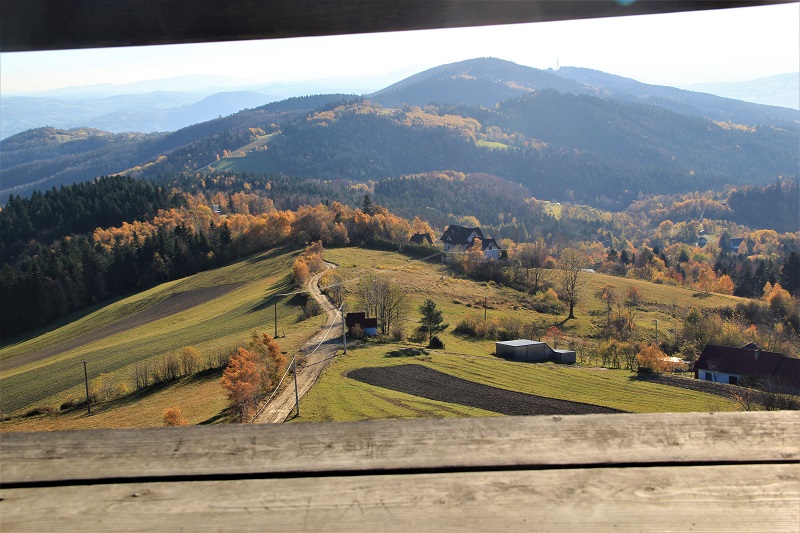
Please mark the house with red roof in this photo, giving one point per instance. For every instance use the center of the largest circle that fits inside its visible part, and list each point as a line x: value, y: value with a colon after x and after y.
x: 723, y: 364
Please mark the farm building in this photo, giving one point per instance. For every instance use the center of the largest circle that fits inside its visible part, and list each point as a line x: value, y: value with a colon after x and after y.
x: 533, y: 351
x: 421, y: 238
x: 368, y: 325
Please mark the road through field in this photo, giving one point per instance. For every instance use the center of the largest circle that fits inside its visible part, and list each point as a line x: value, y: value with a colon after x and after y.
x: 283, y: 405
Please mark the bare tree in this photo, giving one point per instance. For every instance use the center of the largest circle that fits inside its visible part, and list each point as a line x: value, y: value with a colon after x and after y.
x: 382, y: 300
x: 608, y: 295
x: 570, y: 263
x: 532, y: 256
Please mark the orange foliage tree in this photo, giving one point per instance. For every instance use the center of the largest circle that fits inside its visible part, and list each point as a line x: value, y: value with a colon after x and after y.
x: 243, y: 379
x: 651, y: 358
x: 172, y: 417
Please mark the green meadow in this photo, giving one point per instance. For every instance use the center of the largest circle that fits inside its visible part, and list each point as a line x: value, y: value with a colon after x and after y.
x: 243, y: 302
x: 210, y: 326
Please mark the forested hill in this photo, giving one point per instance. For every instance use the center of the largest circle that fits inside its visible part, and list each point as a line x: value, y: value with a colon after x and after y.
x: 572, y: 134
x: 45, y: 157
x: 489, y: 81
x: 681, y: 101
x: 557, y: 145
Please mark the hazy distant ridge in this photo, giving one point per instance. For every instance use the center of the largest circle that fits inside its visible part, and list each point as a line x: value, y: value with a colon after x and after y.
x: 782, y: 90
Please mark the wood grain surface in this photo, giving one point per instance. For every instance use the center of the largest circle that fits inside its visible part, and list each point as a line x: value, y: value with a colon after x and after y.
x: 651, y: 472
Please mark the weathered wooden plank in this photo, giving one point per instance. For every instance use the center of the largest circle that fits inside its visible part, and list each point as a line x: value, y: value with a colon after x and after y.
x: 396, y: 445
x: 696, y: 498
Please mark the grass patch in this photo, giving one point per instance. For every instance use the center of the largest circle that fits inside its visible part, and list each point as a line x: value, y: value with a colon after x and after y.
x: 492, y: 145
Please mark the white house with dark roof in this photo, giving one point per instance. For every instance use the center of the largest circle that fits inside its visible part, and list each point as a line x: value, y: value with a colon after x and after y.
x: 461, y: 239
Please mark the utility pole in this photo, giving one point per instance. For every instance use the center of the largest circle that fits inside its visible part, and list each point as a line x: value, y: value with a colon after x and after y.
x: 656, y: 331
x: 442, y: 266
x: 485, y: 303
x: 86, y: 378
x: 296, y: 394
x: 275, y: 310
x: 344, y: 332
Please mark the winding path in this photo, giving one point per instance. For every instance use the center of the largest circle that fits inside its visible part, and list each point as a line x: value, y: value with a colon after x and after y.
x: 283, y: 405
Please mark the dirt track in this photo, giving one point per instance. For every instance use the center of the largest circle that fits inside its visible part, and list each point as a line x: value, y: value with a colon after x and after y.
x: 283, y: 405
x: 422, y: 381
x: 171, y: 305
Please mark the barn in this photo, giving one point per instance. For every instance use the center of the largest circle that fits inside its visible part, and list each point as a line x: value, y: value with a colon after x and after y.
x: 533, y: 351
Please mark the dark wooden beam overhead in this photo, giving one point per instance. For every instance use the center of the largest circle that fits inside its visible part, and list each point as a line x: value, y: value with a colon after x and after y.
x: 27, y: 25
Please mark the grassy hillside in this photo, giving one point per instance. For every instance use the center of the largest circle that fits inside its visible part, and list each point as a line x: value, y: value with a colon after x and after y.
x: 243, y: 303
x: 337, y: 397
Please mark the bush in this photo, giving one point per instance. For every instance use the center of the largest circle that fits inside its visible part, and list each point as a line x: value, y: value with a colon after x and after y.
x: 40, y: 410
x: 221, y: 359
x: 436, y: 343
x: 104, y: 388
x: 419, y: 335
x: 70, y: 402
x: 356, y: 332
x: 398, y: 334
x: 172, y: 417
x: 311, y: 308
x: 547, y: 302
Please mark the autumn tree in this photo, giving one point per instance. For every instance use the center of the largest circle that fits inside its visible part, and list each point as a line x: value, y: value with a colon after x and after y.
x: 608, y: 295
x: 650, y: 358
x: 432, y: 319
x: 243, y: 379
x: 269, y: 354
x: 570, y: 264
x: 555, y: 335
x: 190, y: 360
x: 172, y: 417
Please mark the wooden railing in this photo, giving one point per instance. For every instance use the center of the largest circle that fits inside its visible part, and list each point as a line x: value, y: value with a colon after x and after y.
x: 654, y: 472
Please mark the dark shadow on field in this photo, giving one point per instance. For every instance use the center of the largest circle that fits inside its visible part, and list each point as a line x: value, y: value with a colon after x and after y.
x: 425, y: 382
x: 283, y: 287
x: 702, y: 295
x: 272, y: 254
x: 217, y: 418
x: 407, y: 352
x: 210, y: 374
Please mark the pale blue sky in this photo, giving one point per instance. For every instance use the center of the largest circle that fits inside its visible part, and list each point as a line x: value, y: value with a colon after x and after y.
x: 674, y: 49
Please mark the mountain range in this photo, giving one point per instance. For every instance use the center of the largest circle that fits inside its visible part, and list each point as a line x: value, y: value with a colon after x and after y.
x: 571, y: 133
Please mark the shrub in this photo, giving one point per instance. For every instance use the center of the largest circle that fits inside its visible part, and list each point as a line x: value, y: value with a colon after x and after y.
x: 172, y: 417
x: 436, y: 343
x: 398, y: 334
x: 40, y: 410
x: 221, y: 359
x: 547, y: 302
x: 104, y: 388
x: 69, y: 402
x: 190, y: 361
x: 310, y: 309
x: 356, y: 332
x: 420, y: 335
